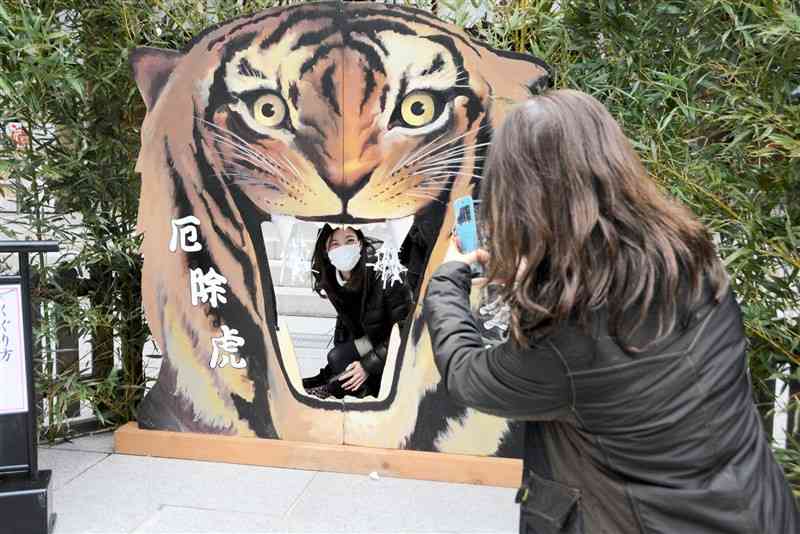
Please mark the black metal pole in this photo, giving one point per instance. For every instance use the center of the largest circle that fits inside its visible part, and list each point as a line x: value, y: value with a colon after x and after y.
x: 24, y: 272
x: 28, y: 247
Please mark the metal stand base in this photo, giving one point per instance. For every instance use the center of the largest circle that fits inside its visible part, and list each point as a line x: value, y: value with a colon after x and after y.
x: 25, y: 504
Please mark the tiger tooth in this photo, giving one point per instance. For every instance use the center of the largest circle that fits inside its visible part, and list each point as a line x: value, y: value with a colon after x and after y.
x: 285, y: 225
x: 398, y: 229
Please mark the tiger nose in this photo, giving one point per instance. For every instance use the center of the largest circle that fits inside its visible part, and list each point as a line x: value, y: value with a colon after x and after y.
x: 355, y: 175
x: 354, y: 183
x: 356, y: 168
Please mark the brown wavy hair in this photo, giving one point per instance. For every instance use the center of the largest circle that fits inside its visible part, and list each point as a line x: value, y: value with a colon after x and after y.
x: 571, y: 214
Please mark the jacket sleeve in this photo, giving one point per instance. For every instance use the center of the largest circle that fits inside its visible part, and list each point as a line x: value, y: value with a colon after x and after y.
x: 397, y: 303
x: 508, y: 381
x: 374, y: 361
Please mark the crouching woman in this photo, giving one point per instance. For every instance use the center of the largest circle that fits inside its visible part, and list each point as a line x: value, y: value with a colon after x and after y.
x: 365, y: 313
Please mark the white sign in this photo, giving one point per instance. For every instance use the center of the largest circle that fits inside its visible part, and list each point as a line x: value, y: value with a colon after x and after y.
x: 13, y: 376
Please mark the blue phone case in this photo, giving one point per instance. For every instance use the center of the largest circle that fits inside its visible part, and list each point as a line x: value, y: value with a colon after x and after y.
x: 466, y: 228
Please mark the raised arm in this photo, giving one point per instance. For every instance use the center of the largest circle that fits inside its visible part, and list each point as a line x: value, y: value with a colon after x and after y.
x: 525, y: 383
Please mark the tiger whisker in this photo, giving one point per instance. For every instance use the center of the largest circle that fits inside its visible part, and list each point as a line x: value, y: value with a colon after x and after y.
x: 251, y: 154
x: 294, y: 170
x: 447, y: 173
x: 437, y: 170
x: 432, y: 188
x: 432, y: 147
x: 407, y: 160
x: 457, y: 138
x: 454, y: 162
x: 438, y: 181
x: 247, y: 172
x: 440, y: 175
x: 452, y: 166
x: 264, y: 159
x: 242, y: 143
x: 449, y: 142
x: 241, y: 178
x: 454, y: 151
x: 429, y: 197
x: 451, y: 156
x: 254, y: 162
x: 257, y: 162
x: 272, y: 187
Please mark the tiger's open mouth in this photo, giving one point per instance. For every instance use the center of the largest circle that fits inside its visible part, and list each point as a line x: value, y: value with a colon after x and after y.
x: 388, y: 232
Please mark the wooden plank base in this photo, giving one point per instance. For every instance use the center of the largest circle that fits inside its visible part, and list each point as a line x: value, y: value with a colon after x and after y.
x: 488, y: 471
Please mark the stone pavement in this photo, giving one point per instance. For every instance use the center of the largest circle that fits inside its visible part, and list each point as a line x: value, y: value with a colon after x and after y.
x: 97, y: 491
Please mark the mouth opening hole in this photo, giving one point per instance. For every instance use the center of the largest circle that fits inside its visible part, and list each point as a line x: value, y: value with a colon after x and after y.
x: 306, y: 321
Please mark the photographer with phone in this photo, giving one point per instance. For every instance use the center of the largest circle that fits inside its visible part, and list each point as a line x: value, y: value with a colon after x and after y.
x: 627, y: 350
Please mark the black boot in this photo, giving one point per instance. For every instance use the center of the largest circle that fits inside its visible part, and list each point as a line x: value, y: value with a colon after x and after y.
x: 315, y: 381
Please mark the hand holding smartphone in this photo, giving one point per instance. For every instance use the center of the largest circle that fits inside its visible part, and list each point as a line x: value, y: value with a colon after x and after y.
x: 466, y: 229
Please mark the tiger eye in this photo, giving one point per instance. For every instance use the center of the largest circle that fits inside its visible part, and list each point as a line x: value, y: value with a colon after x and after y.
x: 418, y: 109
x: 269, y: 110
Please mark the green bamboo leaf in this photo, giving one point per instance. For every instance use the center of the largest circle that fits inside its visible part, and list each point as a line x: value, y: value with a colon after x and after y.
x: 76, y: 85
x: 5, y: 87
x: 736, y: 255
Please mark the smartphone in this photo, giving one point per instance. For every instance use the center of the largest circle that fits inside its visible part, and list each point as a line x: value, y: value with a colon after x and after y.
x: 467, y: 228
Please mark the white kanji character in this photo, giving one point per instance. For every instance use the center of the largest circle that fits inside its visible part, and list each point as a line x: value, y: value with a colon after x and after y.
x: 184, y: 232
x: 207, y: 287
x: 228, y: 343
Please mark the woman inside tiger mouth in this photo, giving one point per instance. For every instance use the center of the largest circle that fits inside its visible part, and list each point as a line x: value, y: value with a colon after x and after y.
x: 365, y: 312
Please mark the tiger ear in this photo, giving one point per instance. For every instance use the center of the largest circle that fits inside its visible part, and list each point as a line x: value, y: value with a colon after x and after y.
x: 151, y: 70
x: 514, y: 76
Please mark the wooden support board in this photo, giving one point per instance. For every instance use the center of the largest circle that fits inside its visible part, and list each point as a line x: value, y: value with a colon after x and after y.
x: 487, y: 471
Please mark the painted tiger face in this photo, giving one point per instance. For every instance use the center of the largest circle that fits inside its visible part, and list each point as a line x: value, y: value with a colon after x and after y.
x: 324, y: 112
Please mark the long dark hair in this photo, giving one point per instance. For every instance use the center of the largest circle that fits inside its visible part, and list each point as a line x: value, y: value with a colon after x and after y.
x: 571, y: 213
x: 323, y: 272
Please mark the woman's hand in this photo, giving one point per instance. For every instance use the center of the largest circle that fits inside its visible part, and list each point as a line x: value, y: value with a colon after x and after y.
x: 355, y: 376
x: 476, y: 256
x: 454, y: 254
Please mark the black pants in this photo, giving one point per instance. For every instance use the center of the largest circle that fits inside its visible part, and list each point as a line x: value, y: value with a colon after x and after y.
x: 339, y: 357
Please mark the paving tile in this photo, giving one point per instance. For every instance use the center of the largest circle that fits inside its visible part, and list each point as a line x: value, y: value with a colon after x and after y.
x: 133, y: 488
x: 179, y: 519
x: 67, y: 464
x: 100, y: 442
x: 353, y: 503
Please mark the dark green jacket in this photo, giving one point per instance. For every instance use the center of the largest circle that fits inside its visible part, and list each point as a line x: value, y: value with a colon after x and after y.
x: 667, y: 441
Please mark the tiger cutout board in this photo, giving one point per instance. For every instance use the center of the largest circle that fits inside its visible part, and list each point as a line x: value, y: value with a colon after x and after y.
x: 334, y: 112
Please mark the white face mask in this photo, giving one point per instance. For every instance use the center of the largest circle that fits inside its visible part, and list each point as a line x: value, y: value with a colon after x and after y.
x: 344, y: 258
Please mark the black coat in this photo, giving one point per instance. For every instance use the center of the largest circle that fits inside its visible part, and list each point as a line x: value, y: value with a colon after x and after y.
x: 667, y: 441
x: 380, y: 309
